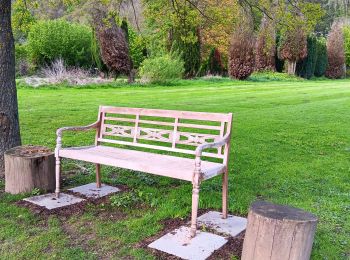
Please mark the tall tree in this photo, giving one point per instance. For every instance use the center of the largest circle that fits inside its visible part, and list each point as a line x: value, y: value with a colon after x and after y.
x: 9, y: 124
x: 113, y: 43
x: 241, y: 61
x: 336, y: 55
x: 293, y: 47
x: 265, y: 50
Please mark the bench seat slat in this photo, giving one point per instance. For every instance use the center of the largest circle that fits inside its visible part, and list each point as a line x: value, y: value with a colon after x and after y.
x: 159, y: 164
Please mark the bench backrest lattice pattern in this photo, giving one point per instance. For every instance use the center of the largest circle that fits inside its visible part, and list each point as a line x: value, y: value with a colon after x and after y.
x: 166, y: 130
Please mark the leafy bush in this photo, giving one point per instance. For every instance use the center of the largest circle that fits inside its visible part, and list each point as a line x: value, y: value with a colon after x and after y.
x: 265, y: 49
x: 137, y: 47
x: 23, y: 66
x: 163, y: 68
x: 190, y: 50
x: 322, y: 60
x: 53, y: 39
x: 347, y: 44
x: 215, y: 66
x: 272, y: 76
x: 241, y: 54
x: 336, y: 54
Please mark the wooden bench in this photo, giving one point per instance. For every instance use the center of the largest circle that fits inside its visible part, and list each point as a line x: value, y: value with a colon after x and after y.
x: 123, y: 135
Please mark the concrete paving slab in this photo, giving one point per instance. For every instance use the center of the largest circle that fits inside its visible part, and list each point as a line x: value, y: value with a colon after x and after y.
x: 91, y: 191
x: 49, y: 201
x: 179, y: 244
x: 232, y: 226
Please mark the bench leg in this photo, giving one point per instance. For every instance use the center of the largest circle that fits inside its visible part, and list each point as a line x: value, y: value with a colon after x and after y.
x: 224, y: 194
x: 58, y: 176
x: 98, y: 175
x: 195, y: 200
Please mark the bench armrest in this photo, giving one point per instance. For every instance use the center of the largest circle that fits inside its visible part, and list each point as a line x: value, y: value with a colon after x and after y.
x: 223, y: 141
x: 60, y: 131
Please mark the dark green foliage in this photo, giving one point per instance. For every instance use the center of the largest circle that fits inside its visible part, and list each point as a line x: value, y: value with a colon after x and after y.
x: 53, y: 39
x: 306, y: 67
x: 279, y: 63
x: 96, y: 54
x: 22, y: 64
x: 124, y: 26
x: 137, y: 47
x: 321, y: 61
x: 191, y: 54
x: 215, y: 66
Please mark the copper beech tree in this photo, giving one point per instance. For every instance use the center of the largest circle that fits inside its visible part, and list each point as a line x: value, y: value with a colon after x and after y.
x: 336, y: 54
x: 241, y: 53
x: 293, y: 47
x: 114, y: 46
x: 265, y: 49
x: 9, y: 124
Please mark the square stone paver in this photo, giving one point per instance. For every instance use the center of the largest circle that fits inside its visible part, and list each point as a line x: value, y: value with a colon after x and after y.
x: 91, y: 191
x: 49, y: 201
x: 178, y: 243
x: 231, y: 226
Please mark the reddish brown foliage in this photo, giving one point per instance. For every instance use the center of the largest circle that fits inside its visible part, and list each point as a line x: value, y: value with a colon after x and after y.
x: 293, y: 45
x: 241, y: 54
x: 265, y: 49
x: 113, y: 44
x: 336, y: 55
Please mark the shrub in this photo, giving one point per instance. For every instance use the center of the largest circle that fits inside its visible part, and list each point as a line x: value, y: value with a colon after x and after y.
x: 322, y: 60
x: 347, y: 44
x: 96, y: 53
x: 307, y: 66
x: 137, y: 47
x: 191, y: 52
x: 53, y: 39
x: 336, y: 55
x: 162, y: 68
x: 23, y: 66
x: 57, y: 73
x: 265, y: 50
x: 215, y: 66
x: 113, y: 44
x: 241, y: 61
x: 267, y: 76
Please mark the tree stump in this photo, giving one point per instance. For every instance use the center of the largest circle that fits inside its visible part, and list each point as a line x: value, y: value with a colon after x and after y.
x: 29, y: 167
x: 278, y: 232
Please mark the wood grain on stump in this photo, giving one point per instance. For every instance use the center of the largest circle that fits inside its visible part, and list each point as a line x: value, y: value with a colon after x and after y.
x: 278, y: 232
x: 29, y: 167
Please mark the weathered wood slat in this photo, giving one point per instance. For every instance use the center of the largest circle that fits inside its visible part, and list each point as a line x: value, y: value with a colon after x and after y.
x: 161, y: 148
x: 167, y: 113
x: 176, y: 167
x: 152, y: 122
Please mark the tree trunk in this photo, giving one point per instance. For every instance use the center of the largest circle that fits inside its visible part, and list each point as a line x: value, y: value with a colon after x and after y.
x: 9, y: 125
x: 292, y: 65
x: 278, y: 232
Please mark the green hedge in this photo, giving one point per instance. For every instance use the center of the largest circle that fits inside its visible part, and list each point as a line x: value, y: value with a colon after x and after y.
x: 53, y: 39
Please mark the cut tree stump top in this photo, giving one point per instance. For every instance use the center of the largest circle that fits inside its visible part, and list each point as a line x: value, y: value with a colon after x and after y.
x: 281, y: 212
x: 29, y: 151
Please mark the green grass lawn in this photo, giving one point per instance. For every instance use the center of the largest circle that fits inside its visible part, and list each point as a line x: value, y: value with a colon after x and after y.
x: 290, y: 145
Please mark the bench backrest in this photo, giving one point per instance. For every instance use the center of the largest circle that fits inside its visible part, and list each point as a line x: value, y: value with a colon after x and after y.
x: 166, y: 130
